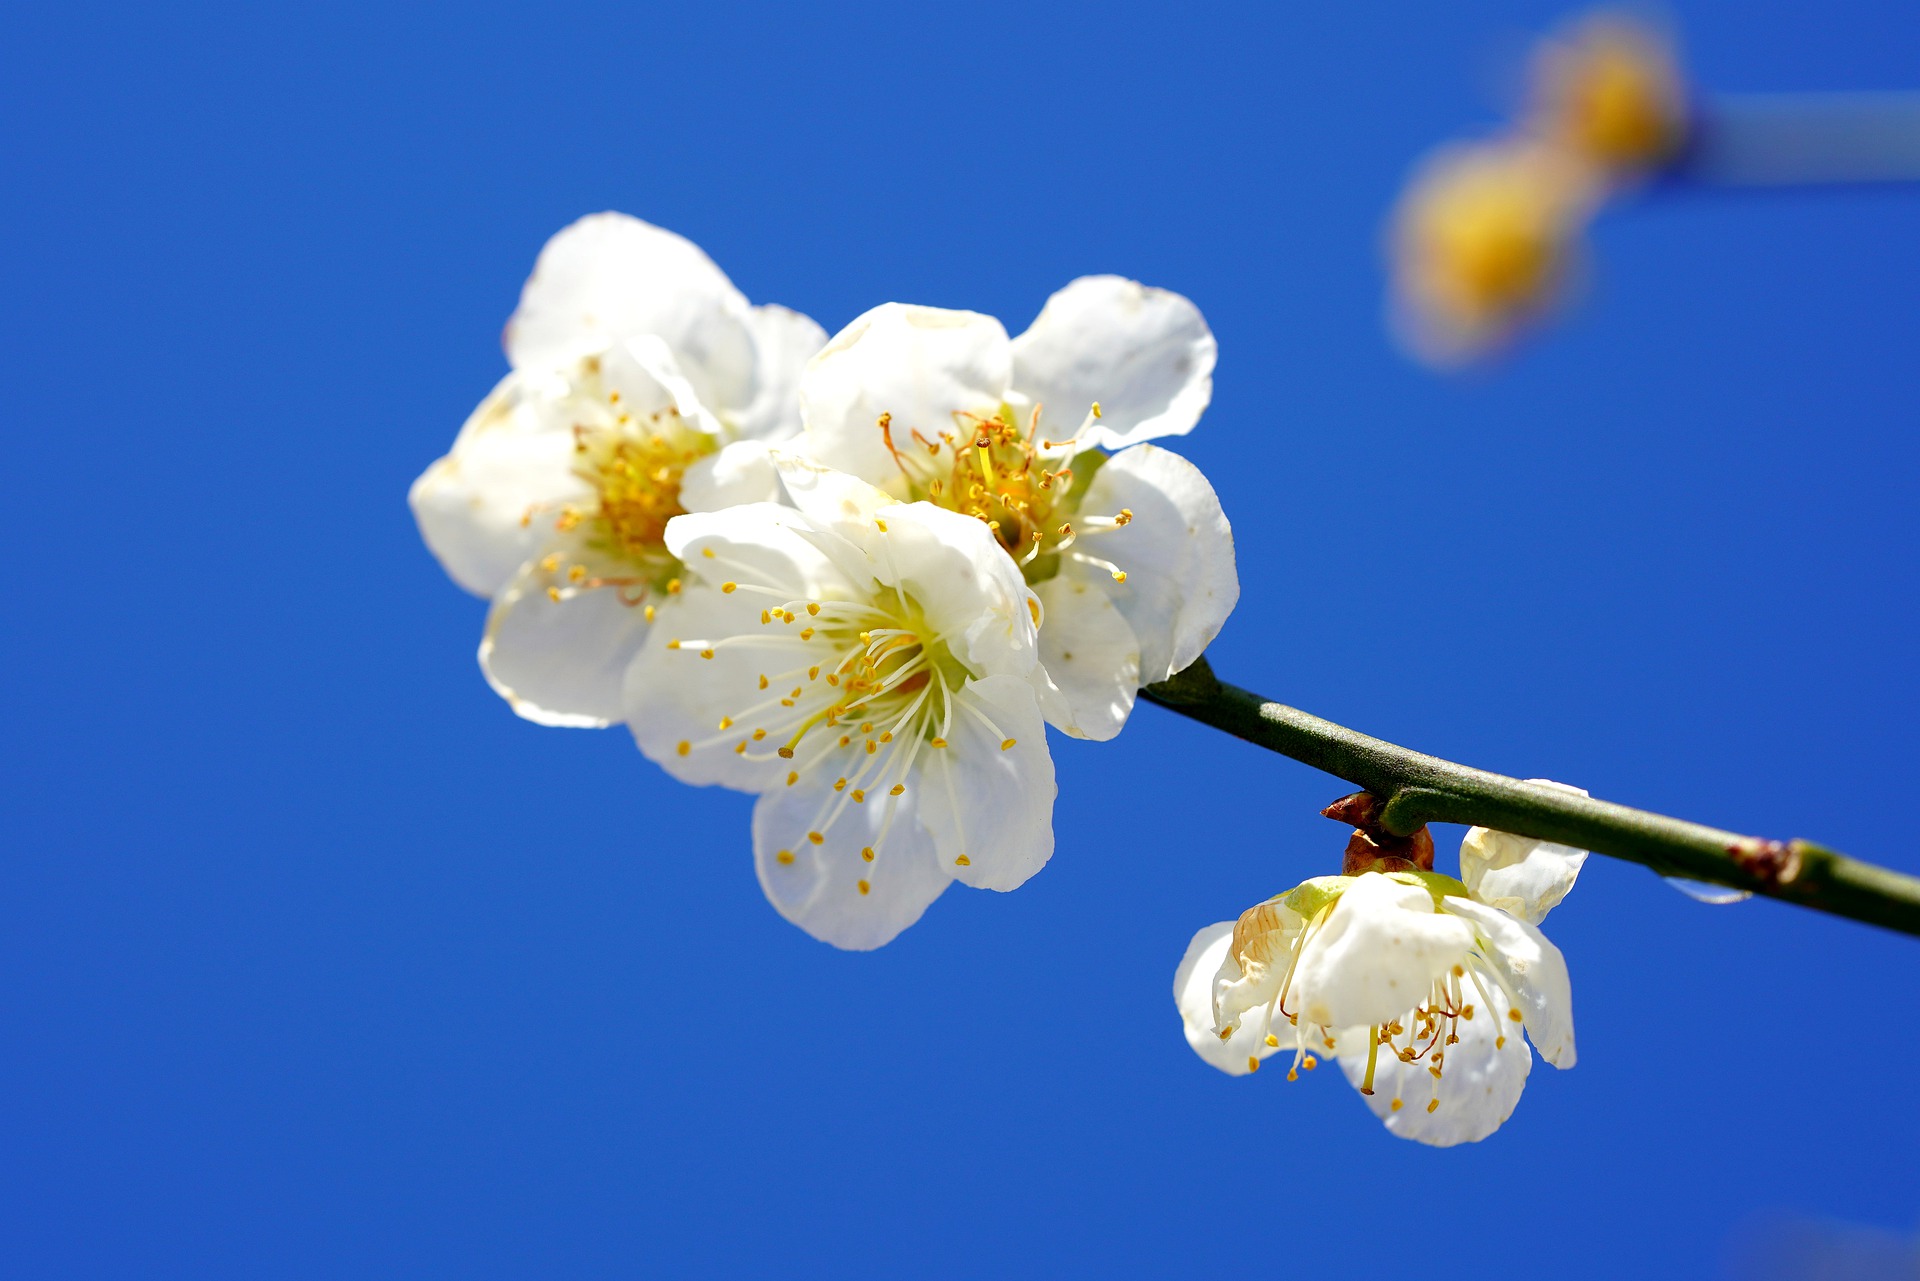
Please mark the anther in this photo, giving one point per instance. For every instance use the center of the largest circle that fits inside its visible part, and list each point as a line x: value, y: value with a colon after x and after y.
x: 576, y: 572
x: 840, y: 785
x: 729, y: 588
x: 866, y: 852
x: 816, y: 838
x: 649, y: 613
x: 897, y: 789
x: 684, y: 747
x: 1273, y: 1042
x: 785, y: 856
x: 793, y: 775
x: 1394, y: 1106
x: 938, y: 742
x: 673, y: 644
x: 553, y: 594
x: 1514, y: 1015
x: 726, y: 722
x: 706, y: 653
x: 1006, y: 744
x: 859, y: 797
x: 707, y: 552
x: 1310, y: 1063
x: 963, y: 861
x: 550, y: 563
x: 763, y: 681
x: 813, y: 607
x: 1432, y: 1104
x: 863, y: 887
x: 673, y: 587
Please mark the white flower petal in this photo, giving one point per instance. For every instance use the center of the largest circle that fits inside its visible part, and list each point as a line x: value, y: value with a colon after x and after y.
x: 472, y: 505
x: 826, y: 494
x: 921, y: 365
x: 774, y: 546
x: 1177, y: 553
x: 1517, y: 874
x: 817, y: 886
x: 675, y: 697
x: 1208, y: 959
x: 561, y: 662
x: 742, y: 472
x: 1532, y: 970
x: 609, y: 277
x: 1264, y: 941
x: 971, y: 591
x: 1377, y: 955
x: 784, y: 340
x: 1089, y: 657
x: 651, y: 380
x: 987, y: 796
x: 1146, y: 355
x: 1479, y: 1085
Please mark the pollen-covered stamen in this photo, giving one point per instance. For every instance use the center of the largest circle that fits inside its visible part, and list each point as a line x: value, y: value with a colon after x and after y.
x: 634, y: 464
x: 1004, y: 473
x: 849, y: 714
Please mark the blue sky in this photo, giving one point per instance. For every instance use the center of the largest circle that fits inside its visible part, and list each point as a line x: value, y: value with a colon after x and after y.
x: 317, y: 962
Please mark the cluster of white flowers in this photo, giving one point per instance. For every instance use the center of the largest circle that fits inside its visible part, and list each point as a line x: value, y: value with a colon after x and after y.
x: 1418, y: 983
x: 856, y: 577
x: 859, y: 577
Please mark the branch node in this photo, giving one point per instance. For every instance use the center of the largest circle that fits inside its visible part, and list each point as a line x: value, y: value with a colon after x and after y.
x: 1773, y: 863
x: 1372, y: 848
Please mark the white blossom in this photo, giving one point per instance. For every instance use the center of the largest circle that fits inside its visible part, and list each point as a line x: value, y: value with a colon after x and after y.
x: 643, y: 385
x: 1129, y: 554
x: 870, y: 669
x: 1417, y: 983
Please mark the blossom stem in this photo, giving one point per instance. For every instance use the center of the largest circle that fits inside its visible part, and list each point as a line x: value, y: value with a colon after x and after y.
x: 1419, y: 789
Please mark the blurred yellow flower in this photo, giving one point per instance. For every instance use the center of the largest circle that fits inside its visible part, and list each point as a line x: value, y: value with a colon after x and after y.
x: 1610, y: 93
x: 1484, y: 241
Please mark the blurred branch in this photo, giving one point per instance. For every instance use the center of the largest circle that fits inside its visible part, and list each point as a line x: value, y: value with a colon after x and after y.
x: 1418, y: 789
x: 1785, y: 140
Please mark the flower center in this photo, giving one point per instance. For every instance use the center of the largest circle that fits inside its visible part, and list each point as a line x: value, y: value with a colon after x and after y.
x: 1617, y: 97
x: 1420, y: 1037
x: 868, y: 690
x: 1013, y: 480
x: 634, y: 463
x: 1494, y: 248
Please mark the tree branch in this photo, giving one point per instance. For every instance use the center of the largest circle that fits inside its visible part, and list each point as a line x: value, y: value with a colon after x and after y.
x: 1418, y: 789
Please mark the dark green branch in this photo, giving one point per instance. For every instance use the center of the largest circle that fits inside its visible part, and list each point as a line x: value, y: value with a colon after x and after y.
x: 1425, y: 789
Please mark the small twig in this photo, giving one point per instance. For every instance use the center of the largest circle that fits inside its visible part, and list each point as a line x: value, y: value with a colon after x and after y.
x: 1417, y: 789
